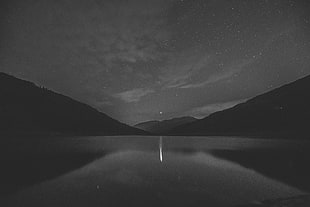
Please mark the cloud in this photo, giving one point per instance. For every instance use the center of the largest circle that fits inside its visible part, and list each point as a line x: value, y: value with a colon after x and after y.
x: 127, y: 30
x: 180, y: 69
x: 133, y: 95
x: 227, y: 73
x: 93, y: 34
x: 212, y: 79
x: 203, y: 111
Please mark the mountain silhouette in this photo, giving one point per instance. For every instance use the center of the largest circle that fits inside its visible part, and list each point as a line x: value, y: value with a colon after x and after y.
x: 282, y: 112
x: 26, y: 108
x: 160, y: 127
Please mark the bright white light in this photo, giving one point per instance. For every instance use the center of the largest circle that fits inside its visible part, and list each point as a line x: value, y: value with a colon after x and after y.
x: 160, y: 149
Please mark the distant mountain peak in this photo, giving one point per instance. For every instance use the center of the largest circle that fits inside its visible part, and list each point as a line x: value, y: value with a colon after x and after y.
x: 161, y: 127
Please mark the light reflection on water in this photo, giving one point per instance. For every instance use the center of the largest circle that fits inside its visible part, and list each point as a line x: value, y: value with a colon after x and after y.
x: 161, y: 149
x: 132, y: 175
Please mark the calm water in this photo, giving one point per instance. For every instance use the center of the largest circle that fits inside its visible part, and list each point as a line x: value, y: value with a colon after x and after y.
x: 151, y: 171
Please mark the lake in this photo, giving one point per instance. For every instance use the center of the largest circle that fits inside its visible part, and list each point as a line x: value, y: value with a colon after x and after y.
x: 150, y: 171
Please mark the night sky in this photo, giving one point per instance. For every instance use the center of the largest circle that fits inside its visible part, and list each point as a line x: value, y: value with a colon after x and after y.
x: 141, y: 60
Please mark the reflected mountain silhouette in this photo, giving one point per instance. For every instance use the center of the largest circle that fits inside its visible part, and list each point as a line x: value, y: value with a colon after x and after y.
x: 285, y: 165
x: 28, y: 162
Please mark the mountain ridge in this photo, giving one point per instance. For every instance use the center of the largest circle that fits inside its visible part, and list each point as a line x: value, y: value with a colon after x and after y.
x: 26, y: 108
x: 281, y: 112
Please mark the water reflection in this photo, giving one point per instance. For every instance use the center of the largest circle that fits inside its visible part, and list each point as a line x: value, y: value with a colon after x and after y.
x: 131, y: 175
x: 161, y: 149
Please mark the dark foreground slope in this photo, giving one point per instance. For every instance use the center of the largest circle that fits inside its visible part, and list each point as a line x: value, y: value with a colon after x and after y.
x: 284, y: 111
x: 26, y: 108
x: 160, y: 127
